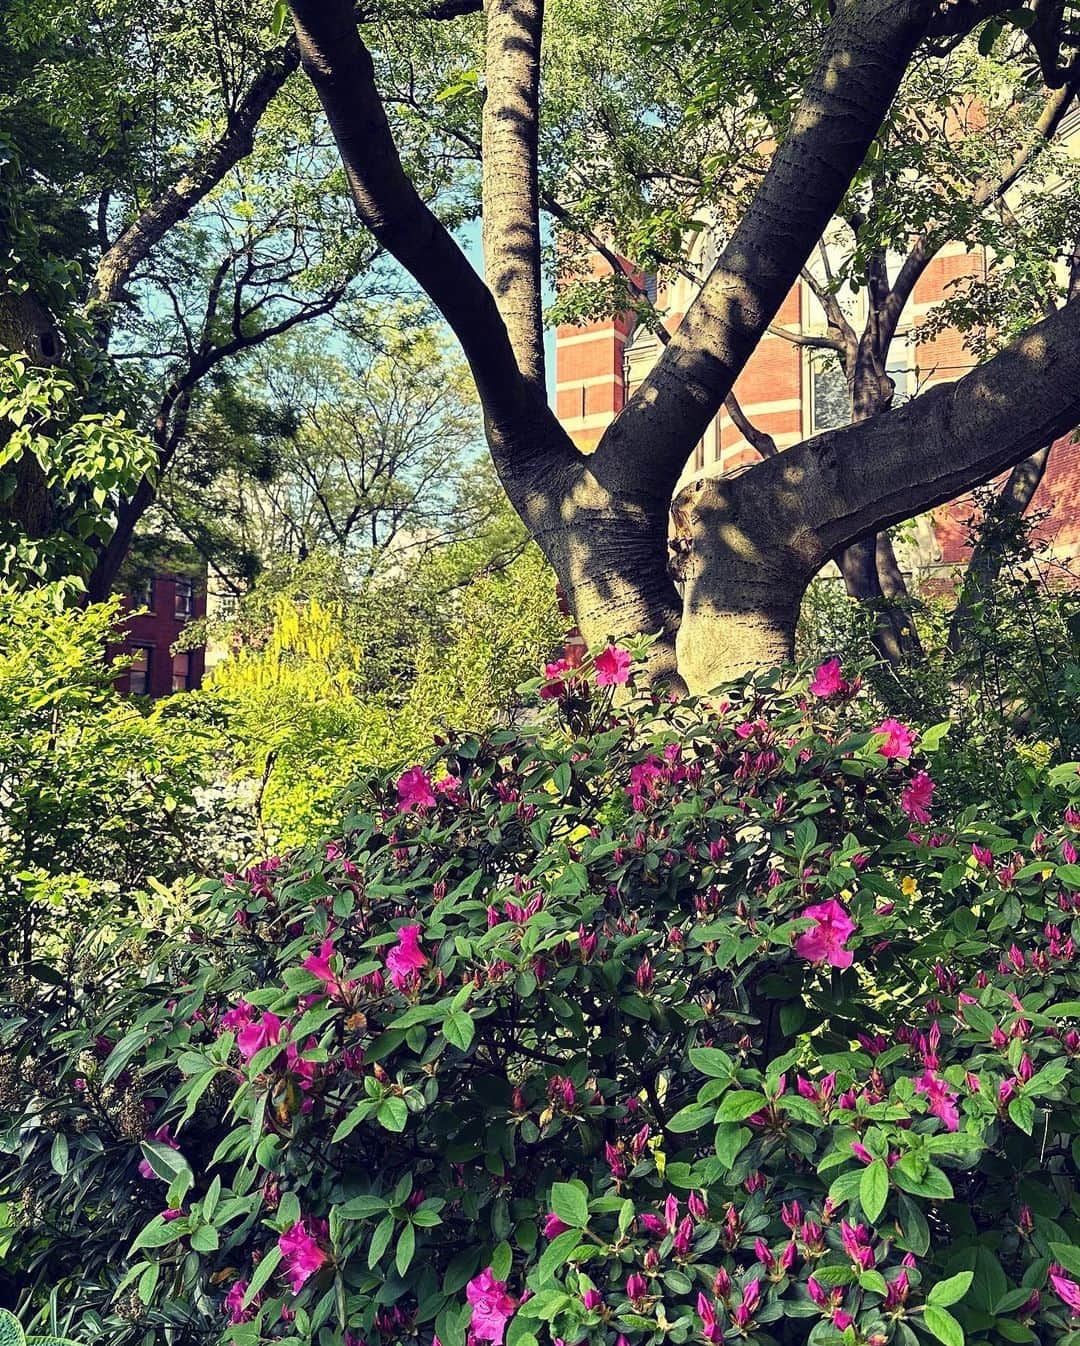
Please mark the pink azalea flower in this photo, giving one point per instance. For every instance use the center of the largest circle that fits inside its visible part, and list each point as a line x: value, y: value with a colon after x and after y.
x: 163, y: 1135
x: 300, y: 1251
x: 942, y: 1098
x: 257, y: 1035
x: 234, y: 1303
x: 492, y: 1307
x: 406, y: 957
x: 916, y: 798
x: 899, y: 739
x: 238, y: 1017
x: 553, y: 1226
x: 318, y: 964
x: 554, y: 683
x: 827, y: 680
x: 414, y: 790
x: 824, y: 942
x: 612, y: 666
x: 1066, y: 1290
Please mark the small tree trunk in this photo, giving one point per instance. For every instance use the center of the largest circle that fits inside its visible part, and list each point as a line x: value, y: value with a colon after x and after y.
x: 893, y: 636
x: 988, y: 554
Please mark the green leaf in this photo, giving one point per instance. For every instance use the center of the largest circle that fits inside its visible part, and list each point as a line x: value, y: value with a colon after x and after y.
x: 943, y: 1325
x: 159, y: 1233
x: 380, y: 1240
x: 739, y: 1104
x: 1022, y: 1112
x: 1068, y: 1256
x: 205, y: 1239
x: 262, y: 1273
x: 713, y: 1062
x: 691, y: 1118
x: 406, y: 1246
x: 501, y: 1260
x: 569, y: 1201
x: 392, y: 1114
x: 951, y: 1291
x: 58, y: 1155
x: 348, y: 1124
x: 11, y: 1333
x: 459, y: 1029
x: 166, y: 1162
x: 556, y: 1253
x: 931, y: 739
x: 874, y: 1189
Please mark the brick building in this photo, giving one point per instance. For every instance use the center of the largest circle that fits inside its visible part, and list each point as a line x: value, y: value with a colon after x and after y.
x: 791, y: 391
x: 171, y: 602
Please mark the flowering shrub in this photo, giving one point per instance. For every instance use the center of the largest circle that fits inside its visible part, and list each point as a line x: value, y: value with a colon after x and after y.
x: 690, y: 1022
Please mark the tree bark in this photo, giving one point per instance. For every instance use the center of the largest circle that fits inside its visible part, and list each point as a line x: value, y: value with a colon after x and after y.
x: 768, y: 530
x: 511, y: 193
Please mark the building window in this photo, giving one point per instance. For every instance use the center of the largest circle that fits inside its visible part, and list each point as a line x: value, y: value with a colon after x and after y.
x: 139, y: 670
x: 142, y: 593
x: 181, y: 672
x: 185, y: 598
x: 830, y: 401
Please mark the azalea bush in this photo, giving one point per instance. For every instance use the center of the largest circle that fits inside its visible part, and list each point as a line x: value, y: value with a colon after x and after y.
x: 699, y: 1021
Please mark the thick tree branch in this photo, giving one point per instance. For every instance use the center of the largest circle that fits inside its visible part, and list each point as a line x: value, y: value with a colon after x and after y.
x: 851, y: 482
x: 203, y: 172
x: 531, y: 450
x: 864, y: 57
x: 511, y: 202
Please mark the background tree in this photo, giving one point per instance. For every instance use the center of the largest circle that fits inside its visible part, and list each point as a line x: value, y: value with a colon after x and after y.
x: 362, y: 436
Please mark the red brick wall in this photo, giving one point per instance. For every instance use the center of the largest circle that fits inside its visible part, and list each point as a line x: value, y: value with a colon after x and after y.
x: 158, y: 630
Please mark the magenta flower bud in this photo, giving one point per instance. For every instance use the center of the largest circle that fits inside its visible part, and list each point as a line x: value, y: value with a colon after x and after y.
x: 684, y: 1237
x: 671, y: 1213
x: 787, y: 1257
x: 615, y: 1160
x: 983, y: 856
x: 652, y: 1224
x: 791, y: 1215
x: 816, y: 1293
x: 842, y: 1319
x: 517, y: 1099
x: 1025, y: 1070
x: 553, y: 1226
x: 569, y: 1096
x: 763, y: 1253
x: 698, y: 1206
x: 636, y: 1288
x: 592, y: 1299
x: 722, y: 1285
x: 651, y: 1260
x: 861, y: 1153
x: 639, y: 1141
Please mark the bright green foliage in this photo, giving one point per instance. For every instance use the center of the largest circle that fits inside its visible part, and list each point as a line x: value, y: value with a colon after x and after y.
x: 87, y: 460
x: 11, y: 1334
x: 585, y: 970
x: 99, y: 794
x: 333, y: 679
x: 1009, y: 685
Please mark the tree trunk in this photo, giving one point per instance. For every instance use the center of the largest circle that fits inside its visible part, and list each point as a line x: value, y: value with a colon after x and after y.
x: 744, y: 573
